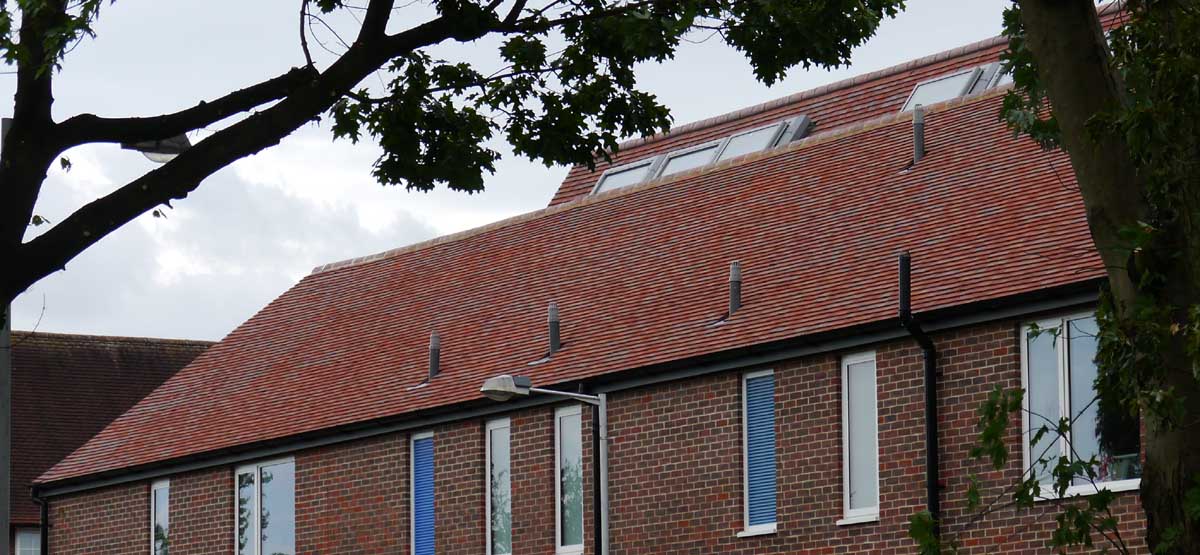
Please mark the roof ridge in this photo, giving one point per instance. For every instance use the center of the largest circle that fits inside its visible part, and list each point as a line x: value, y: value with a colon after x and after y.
x: 26, y: 335
x: 812, y: 140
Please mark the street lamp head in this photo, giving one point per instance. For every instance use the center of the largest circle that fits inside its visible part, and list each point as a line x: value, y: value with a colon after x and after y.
x: 505, y: 387
x: 161, y: 151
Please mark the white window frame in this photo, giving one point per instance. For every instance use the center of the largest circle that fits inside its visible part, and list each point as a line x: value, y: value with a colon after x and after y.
x: 975, y: 71
x: 559, y: 413
x: 1047, y: 493
x: 412, y: 489
x: 758, y: 529
x: 165, y: 483
x: 654, y: 163
x: 494, y: 424
x: 256, y: 467
x: 718, y: 146
x: 780, y: 127
x: 27, y: 531
x: 868, y: 514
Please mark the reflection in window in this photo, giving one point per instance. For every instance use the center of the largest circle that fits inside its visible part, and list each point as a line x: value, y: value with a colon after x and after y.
x: 28, y: 541
x: 860, y: 429
x: 499, y: 488
x: 160, y: 514
x: 938, y: 90
x: 694, y: 159
x: 1060, y: 361
x: 266, y: 511
x: 615, y: 179
x: 569, y: 449
x: 752, y: 141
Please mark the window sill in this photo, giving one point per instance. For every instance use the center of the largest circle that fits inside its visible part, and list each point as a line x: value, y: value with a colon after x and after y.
x: 1088, y: 489
x: 757, y: 530
x: 858, y: 519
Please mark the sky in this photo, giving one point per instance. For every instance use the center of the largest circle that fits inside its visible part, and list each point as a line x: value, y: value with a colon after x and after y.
x: 255, y: 228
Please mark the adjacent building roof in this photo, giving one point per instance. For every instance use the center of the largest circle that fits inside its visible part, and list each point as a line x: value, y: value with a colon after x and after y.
x: 66, y: 388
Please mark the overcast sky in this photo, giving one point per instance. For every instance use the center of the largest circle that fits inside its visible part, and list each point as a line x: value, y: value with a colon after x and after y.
x: 253, y: 229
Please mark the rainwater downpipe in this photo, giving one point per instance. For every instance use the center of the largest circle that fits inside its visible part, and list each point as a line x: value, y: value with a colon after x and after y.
x: 929, y: 353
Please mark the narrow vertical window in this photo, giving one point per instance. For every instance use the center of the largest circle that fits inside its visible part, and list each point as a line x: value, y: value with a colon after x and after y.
x: 266, y: 508
x: 860, y: 439
x: 758, y: 410
x: 29, y: 541
x: 499, y: 487
x: 1059, y: 361
x: 568, y: 448
x: 160, y: 515
x: 422, y: 494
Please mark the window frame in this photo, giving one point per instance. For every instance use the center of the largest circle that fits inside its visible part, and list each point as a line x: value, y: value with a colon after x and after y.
x: 749, y: 530
x: 257, y: 467
x: 974, y: 71
x: 654, y: 163
x: 494, y: 424
x: 1062, y: 357
x: 165, y: 483
x: 869, y: 514
x: 412, y: 489
x: 718, y: 147
x: 27, y: 531
x: 559, y: 413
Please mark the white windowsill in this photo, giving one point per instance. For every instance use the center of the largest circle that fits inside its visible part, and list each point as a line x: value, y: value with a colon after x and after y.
x: 757, y: 530
x: 1047, y: 494
x: 569, y: 550
x: 858, y: 519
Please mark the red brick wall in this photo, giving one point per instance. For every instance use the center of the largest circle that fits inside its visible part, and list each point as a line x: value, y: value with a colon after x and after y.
x: 675, y: 472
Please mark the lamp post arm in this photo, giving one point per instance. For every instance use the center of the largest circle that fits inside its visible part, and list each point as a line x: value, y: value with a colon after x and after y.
x: 589, y: 399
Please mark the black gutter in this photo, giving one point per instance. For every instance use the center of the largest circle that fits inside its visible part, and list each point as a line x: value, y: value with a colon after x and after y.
x: 929, y: 352
x: 44, y: 516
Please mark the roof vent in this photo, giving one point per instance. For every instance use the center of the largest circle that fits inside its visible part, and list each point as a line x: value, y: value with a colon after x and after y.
x: 918, y: 133
x: 435, y: 352
x: 735, y: 287
x: 552, y: 320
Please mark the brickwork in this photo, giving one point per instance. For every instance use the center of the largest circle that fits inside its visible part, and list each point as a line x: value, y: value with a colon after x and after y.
x: 675, y: 472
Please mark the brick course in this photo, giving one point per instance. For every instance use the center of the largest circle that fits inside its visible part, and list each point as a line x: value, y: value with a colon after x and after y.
x: 675, y: 472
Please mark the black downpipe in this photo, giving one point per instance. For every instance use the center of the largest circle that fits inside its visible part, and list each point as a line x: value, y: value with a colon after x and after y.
x: 929, y: 353
x: 597, y: 530
x: 44, y: 532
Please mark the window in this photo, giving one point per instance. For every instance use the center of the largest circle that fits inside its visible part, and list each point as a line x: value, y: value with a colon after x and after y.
x: 266, y: 508
x: 751, y: 141
x: 499, y: 487
x: 29, y: 541
x: 624, y: 176
x: 758, y: 460
x: 568, y: 488
x: 690, y: 158
x: 942, y: 88
x: 1058, y: 359
x: 860, y: 439
x: 423, y: 524
x: 160, y: 515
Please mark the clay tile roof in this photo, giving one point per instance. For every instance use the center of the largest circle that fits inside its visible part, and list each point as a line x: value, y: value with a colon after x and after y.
x: 638, y: 274
x: 66, y: 388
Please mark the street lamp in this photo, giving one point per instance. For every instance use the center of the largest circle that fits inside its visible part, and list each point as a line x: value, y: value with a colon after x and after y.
x: 505, y: 387
x: 161, y: 151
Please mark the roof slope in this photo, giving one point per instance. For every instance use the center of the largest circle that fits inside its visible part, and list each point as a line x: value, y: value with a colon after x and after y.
x: 639, y: 275
x: 66, y: 388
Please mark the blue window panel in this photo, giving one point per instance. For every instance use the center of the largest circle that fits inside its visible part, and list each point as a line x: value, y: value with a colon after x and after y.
x: 760, y: 449
x: 423, y: 525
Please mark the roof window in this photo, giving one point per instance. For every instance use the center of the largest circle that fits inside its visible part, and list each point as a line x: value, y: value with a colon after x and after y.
x: 697, y: 156
x: 960, y: 83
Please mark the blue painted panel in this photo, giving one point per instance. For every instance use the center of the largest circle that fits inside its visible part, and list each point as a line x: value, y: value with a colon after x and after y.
x: 423, y: 525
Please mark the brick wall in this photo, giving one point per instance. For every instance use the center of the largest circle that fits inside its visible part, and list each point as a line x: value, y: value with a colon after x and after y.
x: 675, y: 472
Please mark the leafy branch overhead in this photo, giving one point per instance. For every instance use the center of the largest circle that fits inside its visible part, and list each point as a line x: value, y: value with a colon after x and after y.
x: 564, y: 92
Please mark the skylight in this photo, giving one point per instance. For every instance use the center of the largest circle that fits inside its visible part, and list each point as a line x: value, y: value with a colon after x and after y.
x: 625, y: 176
x: 687, y: 159
x: 942, y: 88
x: 751, y: 141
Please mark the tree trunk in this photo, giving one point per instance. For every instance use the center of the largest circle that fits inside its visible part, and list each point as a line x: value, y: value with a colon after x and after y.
x: 1070, y: 50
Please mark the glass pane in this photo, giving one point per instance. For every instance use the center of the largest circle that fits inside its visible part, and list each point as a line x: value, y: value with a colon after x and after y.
x: 278, y: 518
x: 684, y: 162
x: 29, y: 542
x: 570, y: 452
x: 862, y: 427
x: 1043, y: 398
x: 501, y: 493
x: 937, y: 91
x: 1108, y: 433
x: 746, y: 143
x: 623, y: 178
x: 161, y: 517
x: 247, y: 506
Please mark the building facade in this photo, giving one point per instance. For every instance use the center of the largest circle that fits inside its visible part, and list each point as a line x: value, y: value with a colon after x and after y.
x: 771, y: 405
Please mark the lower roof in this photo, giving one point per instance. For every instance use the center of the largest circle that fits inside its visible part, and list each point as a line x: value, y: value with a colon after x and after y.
x: 639, y: 276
